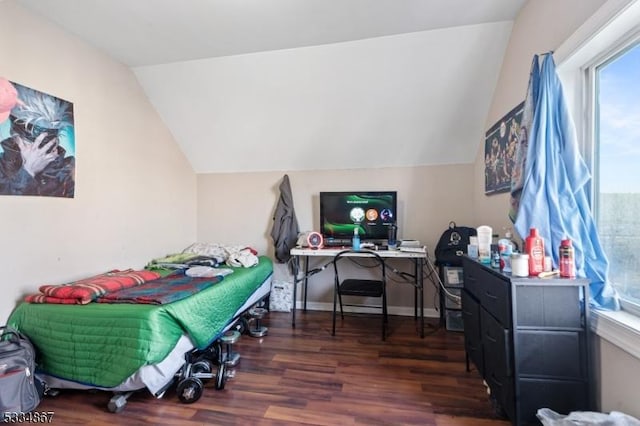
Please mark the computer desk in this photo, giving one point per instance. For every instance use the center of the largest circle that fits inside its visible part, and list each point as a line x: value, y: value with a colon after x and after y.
x: 418, y: 258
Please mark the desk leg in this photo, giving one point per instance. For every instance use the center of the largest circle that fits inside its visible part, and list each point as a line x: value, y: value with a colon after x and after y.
x: 296, y: 270
x: 420, y: 277
x: 416, y: 288
x: 306, y: 281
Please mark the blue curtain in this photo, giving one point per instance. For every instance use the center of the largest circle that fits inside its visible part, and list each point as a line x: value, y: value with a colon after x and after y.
x: 554, y: 193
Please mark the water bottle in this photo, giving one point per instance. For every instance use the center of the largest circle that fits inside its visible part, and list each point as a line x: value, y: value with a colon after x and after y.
x: 355, y: 242
x: 392, y: 241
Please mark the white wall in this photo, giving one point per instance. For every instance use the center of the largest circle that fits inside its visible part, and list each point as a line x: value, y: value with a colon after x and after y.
x: 404, y: 100
x: 135, y: 192
x: 238, y: 208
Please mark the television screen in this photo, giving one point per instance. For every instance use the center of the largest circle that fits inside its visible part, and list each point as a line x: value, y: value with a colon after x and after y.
x: 370, y: 211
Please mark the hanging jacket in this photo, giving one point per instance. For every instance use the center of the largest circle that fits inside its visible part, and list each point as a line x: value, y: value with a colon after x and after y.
x: 285, y: 224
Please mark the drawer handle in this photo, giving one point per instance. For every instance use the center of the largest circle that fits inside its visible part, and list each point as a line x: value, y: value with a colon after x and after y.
x: 491, y: 338
x: 491, y: 296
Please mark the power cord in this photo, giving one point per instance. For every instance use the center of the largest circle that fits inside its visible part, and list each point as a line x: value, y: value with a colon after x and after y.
x: 440, y: 284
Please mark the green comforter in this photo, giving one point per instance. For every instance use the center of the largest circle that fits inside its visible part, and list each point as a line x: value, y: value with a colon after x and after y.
x: 103, y: 344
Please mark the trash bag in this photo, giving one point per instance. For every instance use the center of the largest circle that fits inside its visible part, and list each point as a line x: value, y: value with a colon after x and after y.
x: 549, y: 417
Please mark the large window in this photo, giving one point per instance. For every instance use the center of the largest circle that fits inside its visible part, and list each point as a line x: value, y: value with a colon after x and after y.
x: 616, y: 162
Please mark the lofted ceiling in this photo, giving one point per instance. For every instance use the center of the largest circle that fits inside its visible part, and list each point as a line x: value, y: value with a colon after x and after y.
x: 254, y: 85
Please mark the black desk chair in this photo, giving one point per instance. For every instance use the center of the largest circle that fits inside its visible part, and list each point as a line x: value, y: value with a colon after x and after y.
x: 360, y: 287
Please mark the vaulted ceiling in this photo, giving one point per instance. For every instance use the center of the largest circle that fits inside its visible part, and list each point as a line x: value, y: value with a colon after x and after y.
x: 252, y: 85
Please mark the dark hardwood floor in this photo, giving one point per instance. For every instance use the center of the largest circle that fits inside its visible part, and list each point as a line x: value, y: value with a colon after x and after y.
x: 306, y: 376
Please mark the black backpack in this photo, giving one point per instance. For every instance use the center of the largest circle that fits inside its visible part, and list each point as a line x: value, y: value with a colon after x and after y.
x: 19, y: 391
x: 453, y: 244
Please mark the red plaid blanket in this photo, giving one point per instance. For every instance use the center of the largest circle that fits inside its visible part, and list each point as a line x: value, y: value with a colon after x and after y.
x: 87, y: 290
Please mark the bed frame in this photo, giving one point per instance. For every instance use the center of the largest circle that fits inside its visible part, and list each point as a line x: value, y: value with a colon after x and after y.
x: 197, y: 345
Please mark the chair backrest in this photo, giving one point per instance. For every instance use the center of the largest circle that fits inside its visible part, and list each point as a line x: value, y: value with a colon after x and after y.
x: 356, y: 255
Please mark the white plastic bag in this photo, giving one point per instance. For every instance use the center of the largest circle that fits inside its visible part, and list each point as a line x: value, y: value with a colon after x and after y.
x: 549, y: 417
x: 281, y: 297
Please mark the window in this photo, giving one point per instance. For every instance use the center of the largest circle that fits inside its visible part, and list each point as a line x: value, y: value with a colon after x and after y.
x: 616, y: 160
x: 588, y: 63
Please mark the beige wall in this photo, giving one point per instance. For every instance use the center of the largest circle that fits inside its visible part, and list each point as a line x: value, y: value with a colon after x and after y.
x: 541, y: 26
x: 238, y: 208
x: 619, y: 378
x: 135, y: 192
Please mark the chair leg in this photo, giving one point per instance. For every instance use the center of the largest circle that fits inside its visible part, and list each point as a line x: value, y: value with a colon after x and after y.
x: 335, y: 293
x: 384, y: 307
x: 341, y: 311
x: 385, y: 319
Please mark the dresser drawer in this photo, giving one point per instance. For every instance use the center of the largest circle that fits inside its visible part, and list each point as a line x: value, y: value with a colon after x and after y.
x: 548, y: 306
x: 492, y: 290
x: 553, y: 354
x: 496, y: 346
x: 560, y: 396
x: 496, y: 298
x: 472, y: 274
x: 472, y: 331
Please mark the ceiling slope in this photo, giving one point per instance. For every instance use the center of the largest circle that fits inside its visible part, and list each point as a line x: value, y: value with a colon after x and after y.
x: 307, y: 84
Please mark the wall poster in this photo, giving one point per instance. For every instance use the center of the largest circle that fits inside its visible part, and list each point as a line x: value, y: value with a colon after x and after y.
x: 500, y: 144
x: 37, y: 143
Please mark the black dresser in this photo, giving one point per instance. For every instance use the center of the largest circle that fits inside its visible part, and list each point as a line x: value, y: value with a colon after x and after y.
x: 529, y: 340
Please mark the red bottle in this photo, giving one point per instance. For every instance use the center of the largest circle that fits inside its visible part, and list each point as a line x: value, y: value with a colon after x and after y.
x: 534, y: 247
x: 566, y: 259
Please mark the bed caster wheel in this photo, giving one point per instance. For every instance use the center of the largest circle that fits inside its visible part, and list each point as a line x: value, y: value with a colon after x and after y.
x: 229, y: 357
x: 189, y: 390
x: 257, y: 329
x: 117, y: 404
x: 221, y: 376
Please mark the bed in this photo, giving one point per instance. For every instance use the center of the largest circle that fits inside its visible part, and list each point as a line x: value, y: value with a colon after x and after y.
x: 125, y: 347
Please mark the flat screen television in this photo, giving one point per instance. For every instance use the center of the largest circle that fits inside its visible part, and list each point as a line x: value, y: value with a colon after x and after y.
x: 370, y: 211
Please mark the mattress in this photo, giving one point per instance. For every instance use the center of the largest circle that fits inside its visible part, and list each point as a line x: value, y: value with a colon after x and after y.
x: 101, y: 345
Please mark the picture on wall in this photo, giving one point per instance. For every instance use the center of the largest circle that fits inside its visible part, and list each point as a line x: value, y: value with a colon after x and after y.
x: 500, y: 144
x: 37, y: 143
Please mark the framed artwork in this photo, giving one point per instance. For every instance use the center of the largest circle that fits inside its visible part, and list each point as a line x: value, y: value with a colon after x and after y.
x: 37, y: 143
x: 500, y: 144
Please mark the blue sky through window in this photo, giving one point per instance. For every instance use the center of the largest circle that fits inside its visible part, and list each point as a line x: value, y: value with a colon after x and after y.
x: 619, y: 97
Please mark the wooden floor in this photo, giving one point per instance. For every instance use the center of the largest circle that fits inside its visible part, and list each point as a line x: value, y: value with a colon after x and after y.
x: 306, y: 376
